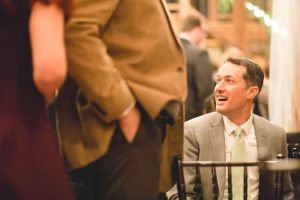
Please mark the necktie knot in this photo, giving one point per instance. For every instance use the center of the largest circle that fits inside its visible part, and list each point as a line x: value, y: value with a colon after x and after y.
x: 238, y: 131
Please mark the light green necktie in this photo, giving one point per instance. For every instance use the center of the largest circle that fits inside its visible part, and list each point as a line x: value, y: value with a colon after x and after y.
x: 238, y: 154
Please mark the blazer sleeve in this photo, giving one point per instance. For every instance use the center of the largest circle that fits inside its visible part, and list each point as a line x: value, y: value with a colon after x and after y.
x: 90, y: 65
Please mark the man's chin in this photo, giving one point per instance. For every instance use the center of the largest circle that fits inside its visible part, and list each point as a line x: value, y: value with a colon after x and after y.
x: 220, y: 110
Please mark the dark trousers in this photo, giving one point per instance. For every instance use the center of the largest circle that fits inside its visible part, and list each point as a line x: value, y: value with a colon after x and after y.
x: 126, y: 171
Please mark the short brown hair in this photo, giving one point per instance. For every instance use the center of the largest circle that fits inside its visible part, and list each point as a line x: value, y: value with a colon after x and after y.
x: 190, y: 22
x: 254, y: 75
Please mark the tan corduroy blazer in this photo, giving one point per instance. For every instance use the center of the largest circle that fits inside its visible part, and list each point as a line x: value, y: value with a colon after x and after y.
x: 119, y: 52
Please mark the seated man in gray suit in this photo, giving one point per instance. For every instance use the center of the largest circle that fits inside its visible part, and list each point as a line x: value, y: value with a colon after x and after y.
x: 210, y: 137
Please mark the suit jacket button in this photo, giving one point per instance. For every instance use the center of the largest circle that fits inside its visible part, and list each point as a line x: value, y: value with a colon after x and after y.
x: 180, y: 69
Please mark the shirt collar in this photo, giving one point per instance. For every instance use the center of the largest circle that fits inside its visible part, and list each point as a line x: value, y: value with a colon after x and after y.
x: 185, y: 36
x: 230, y: 126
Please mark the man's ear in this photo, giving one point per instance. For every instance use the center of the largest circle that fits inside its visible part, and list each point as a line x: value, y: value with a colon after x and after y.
x: 252, y: 92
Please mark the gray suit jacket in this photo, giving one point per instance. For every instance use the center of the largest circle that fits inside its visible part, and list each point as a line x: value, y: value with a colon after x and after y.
x: 205, y: 141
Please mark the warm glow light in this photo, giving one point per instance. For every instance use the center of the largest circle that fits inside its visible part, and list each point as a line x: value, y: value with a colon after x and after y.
x: 249, y: 5
x: 267, y: 20
x: 259, y: 13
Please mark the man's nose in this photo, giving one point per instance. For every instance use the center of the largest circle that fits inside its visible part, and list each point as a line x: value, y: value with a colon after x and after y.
x: 219, y: 86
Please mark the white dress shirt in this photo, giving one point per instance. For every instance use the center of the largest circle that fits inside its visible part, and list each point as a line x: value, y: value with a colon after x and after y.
x: 251, y: 148
x: 185, y: 36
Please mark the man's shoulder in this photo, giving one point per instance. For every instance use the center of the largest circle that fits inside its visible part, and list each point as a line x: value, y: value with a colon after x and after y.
x: 204, y: 120
x: 189, y: 46
x: 267, y: 125
x: 201, y: 126
x: 195, y: 49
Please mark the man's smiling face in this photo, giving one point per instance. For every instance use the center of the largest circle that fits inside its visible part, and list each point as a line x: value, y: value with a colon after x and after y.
x: 231, y: 91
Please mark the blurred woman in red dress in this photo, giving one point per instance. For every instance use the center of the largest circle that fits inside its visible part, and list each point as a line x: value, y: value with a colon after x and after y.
x: 33, y: 66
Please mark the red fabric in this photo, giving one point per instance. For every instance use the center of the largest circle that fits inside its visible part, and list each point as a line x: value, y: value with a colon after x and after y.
x: 11, y: 6
x: 30, y: 165
x: 65, y: 5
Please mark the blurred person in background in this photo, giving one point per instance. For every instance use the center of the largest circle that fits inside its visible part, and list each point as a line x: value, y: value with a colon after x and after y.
x: 199, y: 68
x: 261, y: 106
x: 231, y: 51
x: 33, y: 66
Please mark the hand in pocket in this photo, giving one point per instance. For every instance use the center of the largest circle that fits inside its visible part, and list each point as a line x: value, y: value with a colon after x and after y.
x: 129, y: 124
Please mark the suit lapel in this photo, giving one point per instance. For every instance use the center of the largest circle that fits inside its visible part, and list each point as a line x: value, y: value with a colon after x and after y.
x: 169, y: 17
x: 217, y: 140
x: 262, y: 138
x: 263, y: 152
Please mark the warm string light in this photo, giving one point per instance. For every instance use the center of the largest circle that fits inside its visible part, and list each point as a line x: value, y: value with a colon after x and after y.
x: 268, y: 21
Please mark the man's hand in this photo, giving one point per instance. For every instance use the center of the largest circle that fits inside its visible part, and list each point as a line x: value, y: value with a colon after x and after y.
x: 129, y: 124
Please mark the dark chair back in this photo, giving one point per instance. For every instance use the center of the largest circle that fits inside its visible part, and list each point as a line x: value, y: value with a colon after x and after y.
x: 293, y: 142
x: 182, y: 195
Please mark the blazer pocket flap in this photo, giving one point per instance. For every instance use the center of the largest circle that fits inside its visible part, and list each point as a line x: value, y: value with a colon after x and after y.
x: 95, y: 131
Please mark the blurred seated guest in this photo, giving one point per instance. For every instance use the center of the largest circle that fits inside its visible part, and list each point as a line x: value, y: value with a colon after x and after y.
x: 33, y: 66
x: 231, y: 51
x: 261, y: 106
x: 209, y: 104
